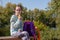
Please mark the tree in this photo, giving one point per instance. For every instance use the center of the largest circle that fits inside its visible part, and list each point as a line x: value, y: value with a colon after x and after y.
x: 54, y: 6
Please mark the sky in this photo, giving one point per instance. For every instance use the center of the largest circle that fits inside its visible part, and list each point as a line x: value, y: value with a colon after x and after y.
x: 29, y: 4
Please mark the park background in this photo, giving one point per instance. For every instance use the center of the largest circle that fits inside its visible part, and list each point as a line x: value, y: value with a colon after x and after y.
x: 44, y: 13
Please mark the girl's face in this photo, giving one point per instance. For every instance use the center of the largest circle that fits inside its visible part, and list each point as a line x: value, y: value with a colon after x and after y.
x: 18, y: 10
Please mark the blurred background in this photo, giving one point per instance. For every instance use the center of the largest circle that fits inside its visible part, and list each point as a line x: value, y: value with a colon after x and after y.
x: 44, y: 13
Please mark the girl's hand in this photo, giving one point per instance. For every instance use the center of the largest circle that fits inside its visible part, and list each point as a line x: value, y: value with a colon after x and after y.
x: 19, y: 17
x: 19, y: 30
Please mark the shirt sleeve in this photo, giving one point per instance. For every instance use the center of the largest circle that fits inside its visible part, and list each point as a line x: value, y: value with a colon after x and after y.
x: 24, y: 26
x: 13, y: 23
x: 32, y: 28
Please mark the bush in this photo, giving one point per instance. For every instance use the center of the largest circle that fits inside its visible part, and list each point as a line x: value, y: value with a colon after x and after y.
x: 4, y: 31
x: 48, y: 33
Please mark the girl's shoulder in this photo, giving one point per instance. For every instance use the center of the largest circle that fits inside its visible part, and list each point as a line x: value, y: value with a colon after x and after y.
x: 13, y: 16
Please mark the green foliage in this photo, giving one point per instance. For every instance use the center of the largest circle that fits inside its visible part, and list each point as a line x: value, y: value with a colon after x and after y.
x: 43, y: 19
x: 4, y: 31
x: 47, y: 33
